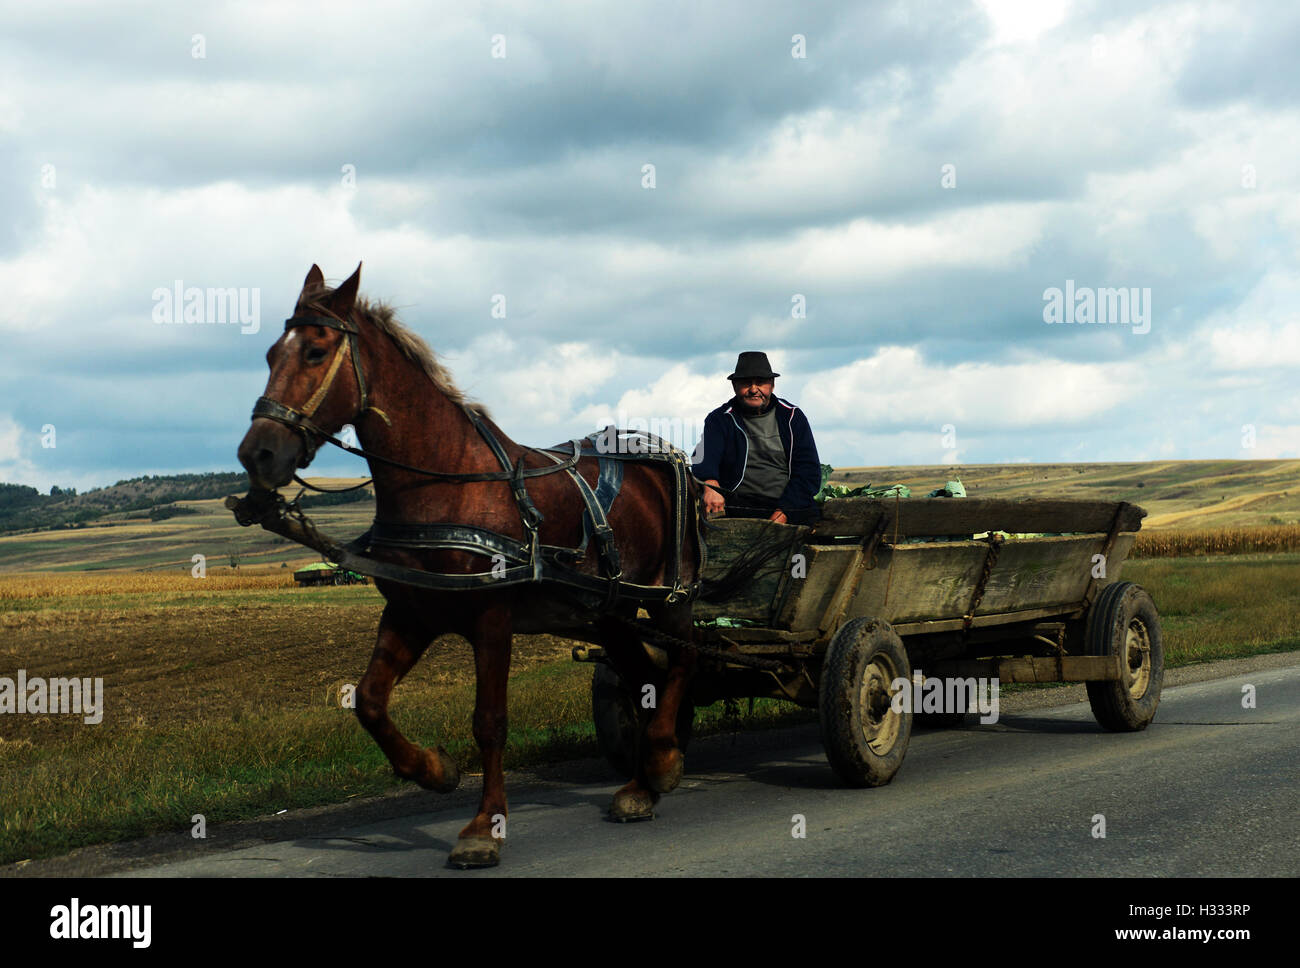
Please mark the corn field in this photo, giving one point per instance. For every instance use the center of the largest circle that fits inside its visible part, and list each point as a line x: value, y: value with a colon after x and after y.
x: 25, y: 586
x: 1216, y: 541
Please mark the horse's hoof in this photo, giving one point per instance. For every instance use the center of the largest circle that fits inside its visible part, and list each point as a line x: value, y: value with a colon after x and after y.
x: 472, y: 852
x: 629, y: 807
x: 668, y: 780
x: 437, y: 763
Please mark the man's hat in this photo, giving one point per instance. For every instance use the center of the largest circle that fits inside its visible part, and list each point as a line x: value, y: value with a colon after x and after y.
x: 752, y: 366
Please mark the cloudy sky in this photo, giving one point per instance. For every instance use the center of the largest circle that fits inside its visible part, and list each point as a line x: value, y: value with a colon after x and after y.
x: 877, y: 194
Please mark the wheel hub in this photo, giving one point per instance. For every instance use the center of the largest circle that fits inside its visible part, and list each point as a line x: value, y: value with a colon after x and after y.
x: 880, y: 724
x: 1137, y: 645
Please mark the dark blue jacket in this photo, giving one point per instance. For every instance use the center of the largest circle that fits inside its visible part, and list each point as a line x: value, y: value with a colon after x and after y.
x: 723, y: 451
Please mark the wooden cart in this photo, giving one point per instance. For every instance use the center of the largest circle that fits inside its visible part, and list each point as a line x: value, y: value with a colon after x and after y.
x: 841, y: 615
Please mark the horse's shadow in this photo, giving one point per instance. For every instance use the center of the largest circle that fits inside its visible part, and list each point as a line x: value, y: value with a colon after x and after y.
x: 790, y: 758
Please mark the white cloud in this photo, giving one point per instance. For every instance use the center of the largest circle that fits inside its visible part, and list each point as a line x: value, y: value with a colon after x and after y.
x: 11, y: 434
x: 530, y: 385
x: 1274, y: 442
x: 896, y: 387
x: 1260, y: 333
x: 1018, y: 21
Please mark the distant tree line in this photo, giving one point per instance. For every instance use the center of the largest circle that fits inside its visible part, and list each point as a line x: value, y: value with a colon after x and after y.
x: 341, y: 497
x: 23, y: 508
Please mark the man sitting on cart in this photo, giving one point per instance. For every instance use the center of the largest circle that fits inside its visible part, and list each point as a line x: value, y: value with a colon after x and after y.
x: 757, y: 458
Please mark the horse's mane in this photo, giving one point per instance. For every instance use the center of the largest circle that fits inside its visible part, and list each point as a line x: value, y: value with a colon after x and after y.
x: 384, y: 318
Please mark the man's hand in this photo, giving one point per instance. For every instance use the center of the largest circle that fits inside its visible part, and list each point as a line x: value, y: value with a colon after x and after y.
x: 713, y: 501
x: 778, y: 516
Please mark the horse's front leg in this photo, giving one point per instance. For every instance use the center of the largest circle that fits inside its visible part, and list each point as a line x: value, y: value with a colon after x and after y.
x: 401, y: 643
x: 664, y: 762
x: 480, y: 842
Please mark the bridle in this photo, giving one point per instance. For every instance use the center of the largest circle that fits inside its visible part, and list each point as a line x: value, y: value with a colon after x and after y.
x: 301, y: 420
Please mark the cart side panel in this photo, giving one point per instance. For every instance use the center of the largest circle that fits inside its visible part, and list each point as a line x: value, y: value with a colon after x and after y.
x: 928, y: 581
x: 729, y: 541
x: 1037, y: 572
x: 937, y: 580
x: 810, y: 595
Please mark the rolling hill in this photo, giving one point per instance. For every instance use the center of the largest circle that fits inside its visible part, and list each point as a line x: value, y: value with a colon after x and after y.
x: 1176, y: 494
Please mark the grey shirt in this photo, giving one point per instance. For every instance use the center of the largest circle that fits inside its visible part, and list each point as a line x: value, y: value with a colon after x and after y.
x: 767, y: 470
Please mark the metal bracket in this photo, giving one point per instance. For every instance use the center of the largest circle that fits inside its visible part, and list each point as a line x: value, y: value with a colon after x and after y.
x: 871, y: 541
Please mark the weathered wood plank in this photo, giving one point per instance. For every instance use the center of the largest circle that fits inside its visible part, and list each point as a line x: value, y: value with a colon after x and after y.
x: 1070, y: 668
x: 929, y: 581
x: 939, y: 516
x: 983, y: 621
x: 811, y: 595
x: 1036, y: 572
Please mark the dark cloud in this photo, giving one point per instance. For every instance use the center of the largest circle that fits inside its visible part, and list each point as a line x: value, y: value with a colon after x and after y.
x: 416, y: 96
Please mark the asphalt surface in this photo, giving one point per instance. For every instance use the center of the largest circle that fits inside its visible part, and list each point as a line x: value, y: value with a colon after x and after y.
x: 1210, y: 788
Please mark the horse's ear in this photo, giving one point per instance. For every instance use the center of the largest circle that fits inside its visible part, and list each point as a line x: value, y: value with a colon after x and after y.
x: 315, y: 278
x: 345, y: 296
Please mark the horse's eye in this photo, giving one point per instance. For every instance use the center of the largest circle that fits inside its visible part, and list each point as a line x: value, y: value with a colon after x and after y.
x: 315, y: 354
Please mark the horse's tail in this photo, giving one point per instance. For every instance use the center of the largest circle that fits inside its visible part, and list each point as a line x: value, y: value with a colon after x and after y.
x: 720, y: 588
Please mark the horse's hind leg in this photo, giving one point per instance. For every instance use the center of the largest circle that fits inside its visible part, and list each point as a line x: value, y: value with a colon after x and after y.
x: 664, y: 762
x: 479, y: 844
x: 635, y: 800
x: 401, y: 643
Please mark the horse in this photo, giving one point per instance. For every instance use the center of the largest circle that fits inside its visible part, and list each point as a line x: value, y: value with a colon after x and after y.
x: 420, y: 433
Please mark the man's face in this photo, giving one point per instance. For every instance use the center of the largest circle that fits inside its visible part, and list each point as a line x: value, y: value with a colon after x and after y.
x: 754, y: 394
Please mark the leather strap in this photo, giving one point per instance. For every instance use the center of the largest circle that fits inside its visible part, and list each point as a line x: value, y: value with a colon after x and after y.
x: 534, y: 561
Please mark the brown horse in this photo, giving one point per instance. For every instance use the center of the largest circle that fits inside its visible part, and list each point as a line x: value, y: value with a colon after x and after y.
x: 372, y: 372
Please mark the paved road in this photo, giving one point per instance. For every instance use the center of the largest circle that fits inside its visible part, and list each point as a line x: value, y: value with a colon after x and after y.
x: 1209, y: 788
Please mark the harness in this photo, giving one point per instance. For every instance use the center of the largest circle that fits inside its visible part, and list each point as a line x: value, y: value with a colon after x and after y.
x: 514, y: 562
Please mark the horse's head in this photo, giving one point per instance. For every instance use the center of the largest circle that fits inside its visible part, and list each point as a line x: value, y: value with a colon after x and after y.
x: 316, y: 384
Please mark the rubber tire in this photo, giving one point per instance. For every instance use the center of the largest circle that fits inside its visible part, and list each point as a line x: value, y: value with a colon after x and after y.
x: 1118, y: 606
x: 853, y: 648
x: 614, y: 713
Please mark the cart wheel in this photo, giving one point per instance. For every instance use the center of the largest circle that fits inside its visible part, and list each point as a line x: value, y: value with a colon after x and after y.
x: 865, y: 738
x: 614, y: 713
x: 1124, y: 621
